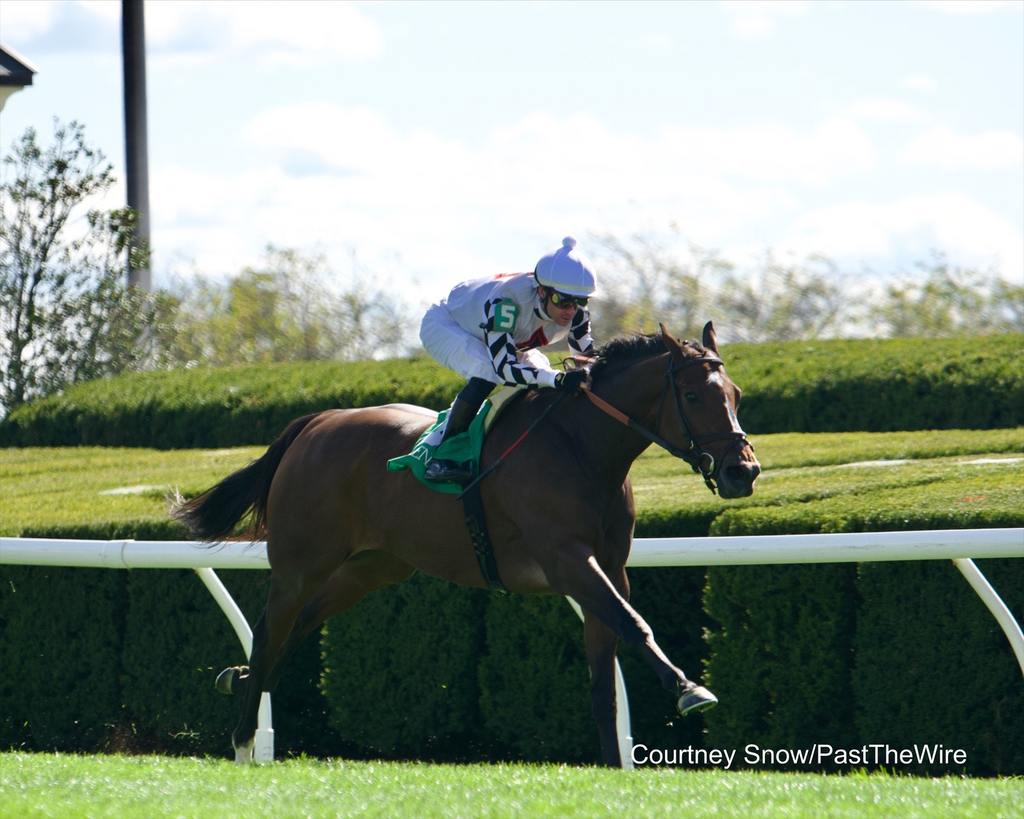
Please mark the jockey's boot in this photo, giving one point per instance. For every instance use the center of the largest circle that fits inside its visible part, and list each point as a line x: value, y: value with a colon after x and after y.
x: 463, y: 410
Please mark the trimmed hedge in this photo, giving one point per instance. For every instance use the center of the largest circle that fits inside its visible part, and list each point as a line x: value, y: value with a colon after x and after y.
x: 535, y: 674
x: 172, y: 622
x: 878, y: 385
x: 127, y: 659
x: 873, y: 385
x: 901, y: 654
x: 852, y: 654
x: 780, y: 655
x: 61, y: 633
x: 399, y: 670
x: 535, y: 684
x: 209, y: 407
x: 932, y: 666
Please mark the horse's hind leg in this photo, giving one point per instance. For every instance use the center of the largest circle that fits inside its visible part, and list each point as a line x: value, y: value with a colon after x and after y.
x: 351, y: 582
x: 357, y: 577
x: 284, y: 600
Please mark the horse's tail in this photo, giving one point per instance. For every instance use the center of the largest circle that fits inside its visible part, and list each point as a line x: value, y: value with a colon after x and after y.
x: 213, y: 515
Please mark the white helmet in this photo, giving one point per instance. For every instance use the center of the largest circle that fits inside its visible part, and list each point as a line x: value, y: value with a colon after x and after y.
x: 566, y: 271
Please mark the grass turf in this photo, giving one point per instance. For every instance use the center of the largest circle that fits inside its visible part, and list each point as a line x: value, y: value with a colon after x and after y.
x: 95, y: 486
x: 62, y: 785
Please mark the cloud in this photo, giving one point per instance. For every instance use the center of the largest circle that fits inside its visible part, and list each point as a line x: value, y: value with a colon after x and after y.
x: 337, y: 178
x: 964, y: 7
x: 50, y: 27
x: 545, y: 171
x: 24, y: 20
x: 296, y: 31
x: 756, y: 19
x: 573, y: 151
x: 919, y: 82
x: 659, y: 44
x: 879, y: 109
x: 988, y: 150
x: 910, y: 228
x: 299, y: 31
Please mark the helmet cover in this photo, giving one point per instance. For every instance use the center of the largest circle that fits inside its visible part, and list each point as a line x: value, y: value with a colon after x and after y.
x: 566, y: 271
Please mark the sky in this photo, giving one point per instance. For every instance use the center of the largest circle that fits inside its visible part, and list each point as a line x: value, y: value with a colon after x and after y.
x: 417, y: 144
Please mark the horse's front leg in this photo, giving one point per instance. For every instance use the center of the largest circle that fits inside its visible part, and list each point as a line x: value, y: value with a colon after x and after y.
x: 574, y: 571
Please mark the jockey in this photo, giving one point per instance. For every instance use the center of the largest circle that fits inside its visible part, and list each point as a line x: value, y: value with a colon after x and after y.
x: 490, y: 331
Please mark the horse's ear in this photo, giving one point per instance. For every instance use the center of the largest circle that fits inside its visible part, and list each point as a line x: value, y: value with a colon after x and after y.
x: 710, y: 340
x: 670, y: 343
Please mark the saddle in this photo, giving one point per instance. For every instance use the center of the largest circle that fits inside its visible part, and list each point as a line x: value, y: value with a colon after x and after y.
x: 465, y: 447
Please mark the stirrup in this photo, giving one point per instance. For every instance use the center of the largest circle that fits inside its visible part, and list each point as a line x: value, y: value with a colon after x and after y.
x: 440, y: 469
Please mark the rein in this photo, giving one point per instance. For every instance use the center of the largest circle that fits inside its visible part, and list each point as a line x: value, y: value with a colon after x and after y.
x: 699, y: 459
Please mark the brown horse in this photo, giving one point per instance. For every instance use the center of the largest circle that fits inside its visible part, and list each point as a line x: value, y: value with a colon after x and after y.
x: 560, y: 509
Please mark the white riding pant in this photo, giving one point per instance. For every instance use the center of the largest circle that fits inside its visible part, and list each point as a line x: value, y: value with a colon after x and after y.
x: 457, y: 349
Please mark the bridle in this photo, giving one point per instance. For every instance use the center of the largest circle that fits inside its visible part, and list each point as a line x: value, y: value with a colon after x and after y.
x: 699, y: 459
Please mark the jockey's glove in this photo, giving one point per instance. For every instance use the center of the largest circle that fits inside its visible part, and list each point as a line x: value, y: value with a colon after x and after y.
x: 572, y: 380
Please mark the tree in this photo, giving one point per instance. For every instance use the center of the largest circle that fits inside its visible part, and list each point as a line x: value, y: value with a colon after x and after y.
x: 1008, y: 301
x: 644, y: 279
x: 780, y: 302
x: 66, y: 314
x: 644, y: 282
x: 947, y: 300
x: 285, y: 309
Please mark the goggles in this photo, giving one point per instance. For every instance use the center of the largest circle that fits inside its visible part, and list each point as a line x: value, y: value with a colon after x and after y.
x: 563, y: 300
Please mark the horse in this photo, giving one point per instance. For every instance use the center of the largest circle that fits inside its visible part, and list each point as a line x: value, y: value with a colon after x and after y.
x: 560, y: 509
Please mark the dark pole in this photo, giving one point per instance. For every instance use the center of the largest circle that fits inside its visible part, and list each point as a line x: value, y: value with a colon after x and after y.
x: 133, y: 49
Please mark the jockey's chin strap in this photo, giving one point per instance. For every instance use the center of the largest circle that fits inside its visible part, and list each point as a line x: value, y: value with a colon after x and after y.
x: 699, y: 459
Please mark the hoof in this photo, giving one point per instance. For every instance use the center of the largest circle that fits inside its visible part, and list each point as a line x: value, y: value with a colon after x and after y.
x: 695, y: 698
x: 243, y: 753
x: 229, y: 677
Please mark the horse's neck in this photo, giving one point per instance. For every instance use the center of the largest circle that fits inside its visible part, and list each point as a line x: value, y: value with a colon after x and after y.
x: 635, y: 391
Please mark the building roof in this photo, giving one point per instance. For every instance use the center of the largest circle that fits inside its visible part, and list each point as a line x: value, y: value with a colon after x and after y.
x: 14, y: 69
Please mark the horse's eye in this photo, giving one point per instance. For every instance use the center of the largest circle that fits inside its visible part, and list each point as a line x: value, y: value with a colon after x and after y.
x: 691, y: 396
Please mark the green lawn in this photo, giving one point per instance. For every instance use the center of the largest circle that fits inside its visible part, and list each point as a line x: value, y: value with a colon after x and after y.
x: 146, y: 786
x: 43, y: 487
x: 67, y: 486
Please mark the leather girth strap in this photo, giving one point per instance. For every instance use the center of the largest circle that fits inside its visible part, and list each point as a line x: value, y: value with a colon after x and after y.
x: 476, y: 524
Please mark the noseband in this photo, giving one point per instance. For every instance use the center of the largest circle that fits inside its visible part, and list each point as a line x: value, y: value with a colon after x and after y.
x: 699, y: 459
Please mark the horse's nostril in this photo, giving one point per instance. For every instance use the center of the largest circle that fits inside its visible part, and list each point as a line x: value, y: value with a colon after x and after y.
x: 743, y: 472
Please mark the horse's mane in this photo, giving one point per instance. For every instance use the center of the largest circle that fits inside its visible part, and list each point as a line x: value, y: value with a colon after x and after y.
x: 625, y: 350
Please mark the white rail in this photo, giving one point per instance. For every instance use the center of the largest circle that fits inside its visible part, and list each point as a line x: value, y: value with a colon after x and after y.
x: 958, y: 545
x: 865, y: 547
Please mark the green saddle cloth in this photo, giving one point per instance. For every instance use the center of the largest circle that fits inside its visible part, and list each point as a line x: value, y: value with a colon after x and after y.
x: 465, y: 446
